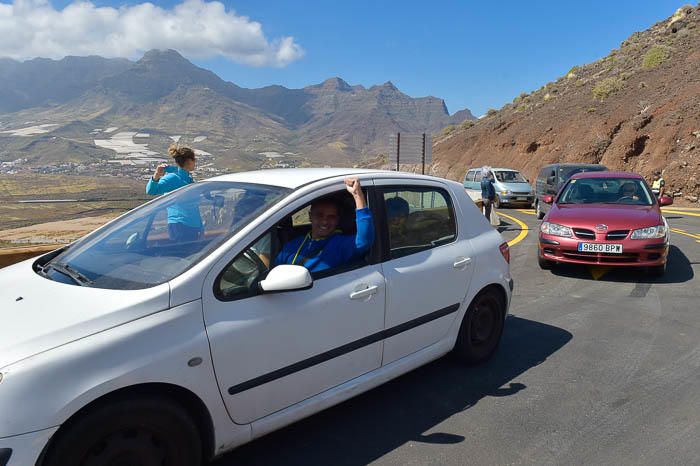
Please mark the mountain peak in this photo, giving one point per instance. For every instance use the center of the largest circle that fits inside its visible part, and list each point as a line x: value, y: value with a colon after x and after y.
x: 334, y: 84
x: 386, y: 87
x: 161, y: 56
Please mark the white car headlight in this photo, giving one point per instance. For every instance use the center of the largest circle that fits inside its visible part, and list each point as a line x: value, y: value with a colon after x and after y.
x: 555, y: 229
x: 659, y: 231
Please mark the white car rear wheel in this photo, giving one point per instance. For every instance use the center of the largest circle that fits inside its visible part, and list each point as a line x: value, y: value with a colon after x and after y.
x: 481, y: 329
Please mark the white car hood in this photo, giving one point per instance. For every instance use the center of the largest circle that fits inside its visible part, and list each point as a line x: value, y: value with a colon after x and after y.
x: 38, y: 314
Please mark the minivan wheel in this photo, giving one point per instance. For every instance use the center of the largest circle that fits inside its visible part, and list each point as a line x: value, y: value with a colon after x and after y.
x: 137, y: 432
x: 538, y: 211
x: 497, y: 203
x: 481, y: 329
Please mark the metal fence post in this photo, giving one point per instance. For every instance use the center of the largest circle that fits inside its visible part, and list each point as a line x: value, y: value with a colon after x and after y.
x: 423, y: 157
x: 398, y: 149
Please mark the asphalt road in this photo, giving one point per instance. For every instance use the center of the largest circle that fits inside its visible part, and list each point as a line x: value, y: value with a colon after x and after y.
x: 595, y: 367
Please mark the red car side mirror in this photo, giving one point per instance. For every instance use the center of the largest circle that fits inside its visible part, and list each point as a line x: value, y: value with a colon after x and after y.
x: 665, y: 200
x: 548, y: 199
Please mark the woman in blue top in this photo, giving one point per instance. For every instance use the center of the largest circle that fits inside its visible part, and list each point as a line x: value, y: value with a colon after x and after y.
x: 184, y: 221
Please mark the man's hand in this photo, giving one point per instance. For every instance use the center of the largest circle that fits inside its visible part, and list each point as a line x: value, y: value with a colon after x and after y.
x: 352, y: 184
x: 160, y: 171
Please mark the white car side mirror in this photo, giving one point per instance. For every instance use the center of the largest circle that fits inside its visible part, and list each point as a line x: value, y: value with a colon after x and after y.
x: 287, y: 278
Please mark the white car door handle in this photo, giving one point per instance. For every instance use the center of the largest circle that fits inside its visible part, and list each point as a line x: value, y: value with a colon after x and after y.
x: 461, y: 262
x: 370, y: 290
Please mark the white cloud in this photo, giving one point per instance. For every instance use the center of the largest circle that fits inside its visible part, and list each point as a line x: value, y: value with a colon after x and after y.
x: 195, y: 28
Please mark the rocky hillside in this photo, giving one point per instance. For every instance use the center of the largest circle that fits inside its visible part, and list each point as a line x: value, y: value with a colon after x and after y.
x: 163, y: 95
x: 638, y: 109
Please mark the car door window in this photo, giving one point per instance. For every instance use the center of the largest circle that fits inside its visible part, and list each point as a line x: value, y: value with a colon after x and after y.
x: 477, y: 176
x: 241, y: 276
x: 418, y: 219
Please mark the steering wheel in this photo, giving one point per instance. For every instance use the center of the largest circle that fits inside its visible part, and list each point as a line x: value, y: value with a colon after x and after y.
x: 257, y: 267
x: 626, y: 198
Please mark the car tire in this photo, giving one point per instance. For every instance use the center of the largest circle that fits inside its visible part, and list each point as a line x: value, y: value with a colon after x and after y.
x: 481, y: 329
x: 538, y: 211
x: 497, y: 203
x: 544, y: 263
x: 656, y: 271
x: 140, y: 431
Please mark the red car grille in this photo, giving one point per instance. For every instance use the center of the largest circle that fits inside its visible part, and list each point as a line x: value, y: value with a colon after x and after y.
x: 617, y: 235
x: 583, y: 233
x: 600, y: 257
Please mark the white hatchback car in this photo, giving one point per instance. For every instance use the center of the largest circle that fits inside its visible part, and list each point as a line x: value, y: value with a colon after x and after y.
x: 127, y: 347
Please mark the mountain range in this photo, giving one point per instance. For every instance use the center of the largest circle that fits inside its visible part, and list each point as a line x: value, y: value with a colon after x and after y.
x: 637, y: 109
x: 165, y: 97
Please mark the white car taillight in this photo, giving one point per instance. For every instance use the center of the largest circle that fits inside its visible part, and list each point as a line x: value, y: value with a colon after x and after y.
x: 505, y: 250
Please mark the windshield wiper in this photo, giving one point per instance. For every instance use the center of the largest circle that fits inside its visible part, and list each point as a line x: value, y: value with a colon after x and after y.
x: 70, y: 272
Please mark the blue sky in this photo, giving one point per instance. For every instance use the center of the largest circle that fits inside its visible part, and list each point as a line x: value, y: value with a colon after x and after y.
x: 477, y: 55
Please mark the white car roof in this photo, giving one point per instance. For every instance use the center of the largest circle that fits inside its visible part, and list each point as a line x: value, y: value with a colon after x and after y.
x: 295, y: 177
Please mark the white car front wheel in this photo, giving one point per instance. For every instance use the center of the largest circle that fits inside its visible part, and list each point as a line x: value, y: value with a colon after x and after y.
x: 144, y: 431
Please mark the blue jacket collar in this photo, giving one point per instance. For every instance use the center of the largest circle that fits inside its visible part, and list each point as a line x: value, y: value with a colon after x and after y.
x: 182, y: 173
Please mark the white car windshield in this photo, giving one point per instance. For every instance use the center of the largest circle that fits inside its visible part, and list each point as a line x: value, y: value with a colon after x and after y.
x: 630, y: 191
x: 157, y: 242
x: 510, y: 177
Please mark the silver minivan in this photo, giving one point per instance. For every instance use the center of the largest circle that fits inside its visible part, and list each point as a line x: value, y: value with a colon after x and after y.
x: 511, y: 187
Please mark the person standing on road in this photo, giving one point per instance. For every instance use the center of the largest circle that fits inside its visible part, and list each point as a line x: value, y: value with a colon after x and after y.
x: 488, y: 192
x: 184, y: 221
x: 658, y: 187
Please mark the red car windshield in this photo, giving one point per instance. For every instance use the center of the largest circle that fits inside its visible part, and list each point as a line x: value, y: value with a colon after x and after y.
x: 629, y: 191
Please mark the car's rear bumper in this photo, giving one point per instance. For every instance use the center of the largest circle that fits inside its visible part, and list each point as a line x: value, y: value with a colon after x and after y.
x: 22, y: 450
x: 635, y: 253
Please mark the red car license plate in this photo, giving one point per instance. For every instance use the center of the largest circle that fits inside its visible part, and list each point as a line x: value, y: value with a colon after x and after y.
x: 600, y: 247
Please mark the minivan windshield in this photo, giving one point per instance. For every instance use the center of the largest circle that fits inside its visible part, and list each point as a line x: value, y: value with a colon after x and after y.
x: 143, y: 248
x: 509, y: 176
x: 626, y: 191
x: 567, y: 172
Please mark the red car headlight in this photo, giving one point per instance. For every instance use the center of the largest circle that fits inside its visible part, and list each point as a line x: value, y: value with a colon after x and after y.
x: 659, y: 231
x: 555, y: 229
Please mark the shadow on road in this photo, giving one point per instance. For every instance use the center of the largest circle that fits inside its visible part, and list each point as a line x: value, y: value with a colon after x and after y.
x: 368, y: 427
x: 678, y: 270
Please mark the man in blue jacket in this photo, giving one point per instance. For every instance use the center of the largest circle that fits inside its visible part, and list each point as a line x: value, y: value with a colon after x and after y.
x: 324, y: 247
x: 488, y: 192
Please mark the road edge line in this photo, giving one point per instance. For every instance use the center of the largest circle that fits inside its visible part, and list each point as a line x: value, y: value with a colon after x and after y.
x: 524, y: 230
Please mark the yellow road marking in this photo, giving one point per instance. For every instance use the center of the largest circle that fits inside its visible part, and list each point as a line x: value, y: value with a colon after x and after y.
x: 523, y: 230
x: 682, y: 232
x: 682, y: 212
x: 598, y: 271
x: 527, y: 211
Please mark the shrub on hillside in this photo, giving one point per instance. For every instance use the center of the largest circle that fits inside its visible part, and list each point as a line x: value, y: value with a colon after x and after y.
x: 491, y: 111
x: 607, y: 87
x: 449, y: 129
x: 655, y: 56
x: 466, y: 124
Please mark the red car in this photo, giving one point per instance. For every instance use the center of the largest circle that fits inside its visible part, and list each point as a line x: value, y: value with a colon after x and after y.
x: 605, y: 218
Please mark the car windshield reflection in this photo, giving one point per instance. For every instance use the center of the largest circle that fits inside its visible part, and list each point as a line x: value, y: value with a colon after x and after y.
x: 144, y: 248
